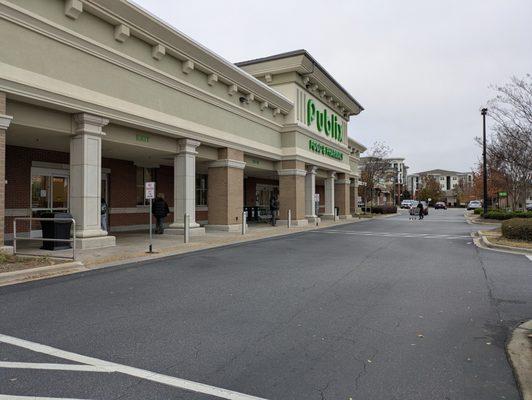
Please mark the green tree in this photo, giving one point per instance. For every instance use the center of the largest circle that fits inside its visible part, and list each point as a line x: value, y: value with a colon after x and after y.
x: 431, y: 190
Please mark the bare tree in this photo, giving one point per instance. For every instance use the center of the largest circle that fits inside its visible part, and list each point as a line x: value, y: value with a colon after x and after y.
x: 510, y: 145
x: 374, y: 168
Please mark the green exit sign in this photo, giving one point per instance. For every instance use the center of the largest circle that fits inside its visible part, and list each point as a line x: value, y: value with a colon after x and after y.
x: 142, y: 138
x: 503, y: 194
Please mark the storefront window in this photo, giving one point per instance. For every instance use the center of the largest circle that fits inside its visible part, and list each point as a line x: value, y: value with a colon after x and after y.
x: 201, y: 190
x: 263, y: 194
x: 144, y: 175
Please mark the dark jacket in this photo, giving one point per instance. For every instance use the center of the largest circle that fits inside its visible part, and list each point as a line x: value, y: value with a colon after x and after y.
x: 160, y: 208
x: 273, y: 204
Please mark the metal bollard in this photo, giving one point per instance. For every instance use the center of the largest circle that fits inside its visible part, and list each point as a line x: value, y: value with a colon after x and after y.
x: 186, y: 228
x: 15, y: 235
x: 289, y: 218
x: 244, y: 221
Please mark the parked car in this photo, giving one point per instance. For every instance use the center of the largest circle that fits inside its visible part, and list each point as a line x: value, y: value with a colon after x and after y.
x: 406, y: 204
x: 474, y: 204
x: 440, y: 205
x: 414, y: 210
x: 529, y: 206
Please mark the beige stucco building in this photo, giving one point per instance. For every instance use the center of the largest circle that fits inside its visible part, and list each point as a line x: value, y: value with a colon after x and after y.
x: 98, y: 97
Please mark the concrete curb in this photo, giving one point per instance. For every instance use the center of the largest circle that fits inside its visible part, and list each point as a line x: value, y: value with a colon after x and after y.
x: 519, y: 350
x: 473, y: 221
x: 494, y: 246
x: 31, y: 274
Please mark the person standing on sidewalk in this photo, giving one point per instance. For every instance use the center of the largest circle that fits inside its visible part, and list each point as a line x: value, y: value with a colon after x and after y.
x: 104, y: 210
x: 160, y: 210
x: 274, y: 206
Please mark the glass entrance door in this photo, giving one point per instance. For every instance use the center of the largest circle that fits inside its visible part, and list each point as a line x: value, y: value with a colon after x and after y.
x: 49, y: 193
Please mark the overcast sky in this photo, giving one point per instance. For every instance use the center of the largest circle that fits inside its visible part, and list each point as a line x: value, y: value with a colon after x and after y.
x: 420, y: 68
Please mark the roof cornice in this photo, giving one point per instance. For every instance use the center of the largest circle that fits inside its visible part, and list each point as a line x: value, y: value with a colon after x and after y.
x: 152, y: 29
x: 302, y: 62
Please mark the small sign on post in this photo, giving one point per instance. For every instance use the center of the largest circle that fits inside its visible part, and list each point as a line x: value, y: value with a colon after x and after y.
x: 149, y: 194
x: 503, y: 194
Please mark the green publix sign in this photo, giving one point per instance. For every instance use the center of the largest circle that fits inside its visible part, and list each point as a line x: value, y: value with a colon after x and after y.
x: 324, y: 122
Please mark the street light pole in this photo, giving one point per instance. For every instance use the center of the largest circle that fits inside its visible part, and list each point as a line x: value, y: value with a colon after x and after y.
x: 397, y: 185
x: 484, y: 166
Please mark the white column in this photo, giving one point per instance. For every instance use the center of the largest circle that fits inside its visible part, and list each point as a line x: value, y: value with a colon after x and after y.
x: 310, y: 190
x: 354, y: 193
x: 85, y: 180
x: 329, y: 195
x: 185, y: 187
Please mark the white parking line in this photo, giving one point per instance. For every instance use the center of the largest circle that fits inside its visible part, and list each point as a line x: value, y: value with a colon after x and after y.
x: 132, y: 371
x: 529, y: 257
x: 11, y: 397
x: 58, y: 367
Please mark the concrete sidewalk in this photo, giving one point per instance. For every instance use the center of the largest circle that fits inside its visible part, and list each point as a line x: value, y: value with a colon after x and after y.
x: 519, y: 351
x: 133, y: 247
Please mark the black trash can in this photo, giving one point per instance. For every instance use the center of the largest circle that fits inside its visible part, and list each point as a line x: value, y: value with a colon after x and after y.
x: 56, y: 230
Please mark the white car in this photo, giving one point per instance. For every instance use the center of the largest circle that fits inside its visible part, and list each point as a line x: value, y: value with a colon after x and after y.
x: 406, y: 204
x: 474, y: 204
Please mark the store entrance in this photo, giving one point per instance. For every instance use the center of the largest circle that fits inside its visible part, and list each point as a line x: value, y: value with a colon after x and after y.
x: 258, y: 207
x: 49, y: 193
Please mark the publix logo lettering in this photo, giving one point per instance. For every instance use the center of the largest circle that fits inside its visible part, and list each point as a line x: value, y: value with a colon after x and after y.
x: 324, y: 122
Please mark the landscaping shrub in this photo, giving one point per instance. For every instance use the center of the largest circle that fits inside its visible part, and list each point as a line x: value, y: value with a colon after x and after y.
x: 384, y: 209
x: 517, y: 228
x: 502, y: 215
x: 478, y: 211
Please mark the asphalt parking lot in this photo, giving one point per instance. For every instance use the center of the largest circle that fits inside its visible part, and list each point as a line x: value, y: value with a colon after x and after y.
x: 382, y: 309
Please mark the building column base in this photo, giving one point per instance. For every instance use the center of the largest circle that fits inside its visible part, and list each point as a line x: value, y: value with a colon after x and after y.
x: 313, y: 219
x: 294, y: 222
x: 224, y: 228
x: 328, y: 217
x: 7, y: 250
x: 96, y: 242
x: 193, y: 231
x: 347, y: 216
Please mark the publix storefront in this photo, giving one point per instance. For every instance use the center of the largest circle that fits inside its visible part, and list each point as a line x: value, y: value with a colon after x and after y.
x: 135, y: 101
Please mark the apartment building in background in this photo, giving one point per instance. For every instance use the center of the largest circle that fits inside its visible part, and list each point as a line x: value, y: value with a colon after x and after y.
x: 451, y: 183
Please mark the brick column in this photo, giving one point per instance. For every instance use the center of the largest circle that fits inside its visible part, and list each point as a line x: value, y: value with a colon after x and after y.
x: 342, y: 196
x: 5, y: 121
x: 185, y: 188
x: 86, y: 181
x: 292, y: 192
x: 329, y: 196
x: 225, y: 192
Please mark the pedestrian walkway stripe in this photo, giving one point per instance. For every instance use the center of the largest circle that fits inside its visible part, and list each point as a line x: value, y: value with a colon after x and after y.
x: 108, y: 366
x: 394, y: 234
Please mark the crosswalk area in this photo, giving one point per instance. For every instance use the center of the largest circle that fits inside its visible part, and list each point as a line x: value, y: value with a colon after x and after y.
x: 393, y: 234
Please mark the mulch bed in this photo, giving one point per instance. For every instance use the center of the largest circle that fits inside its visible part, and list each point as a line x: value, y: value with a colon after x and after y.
x: 9, y: 263
x: 509, y: 242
